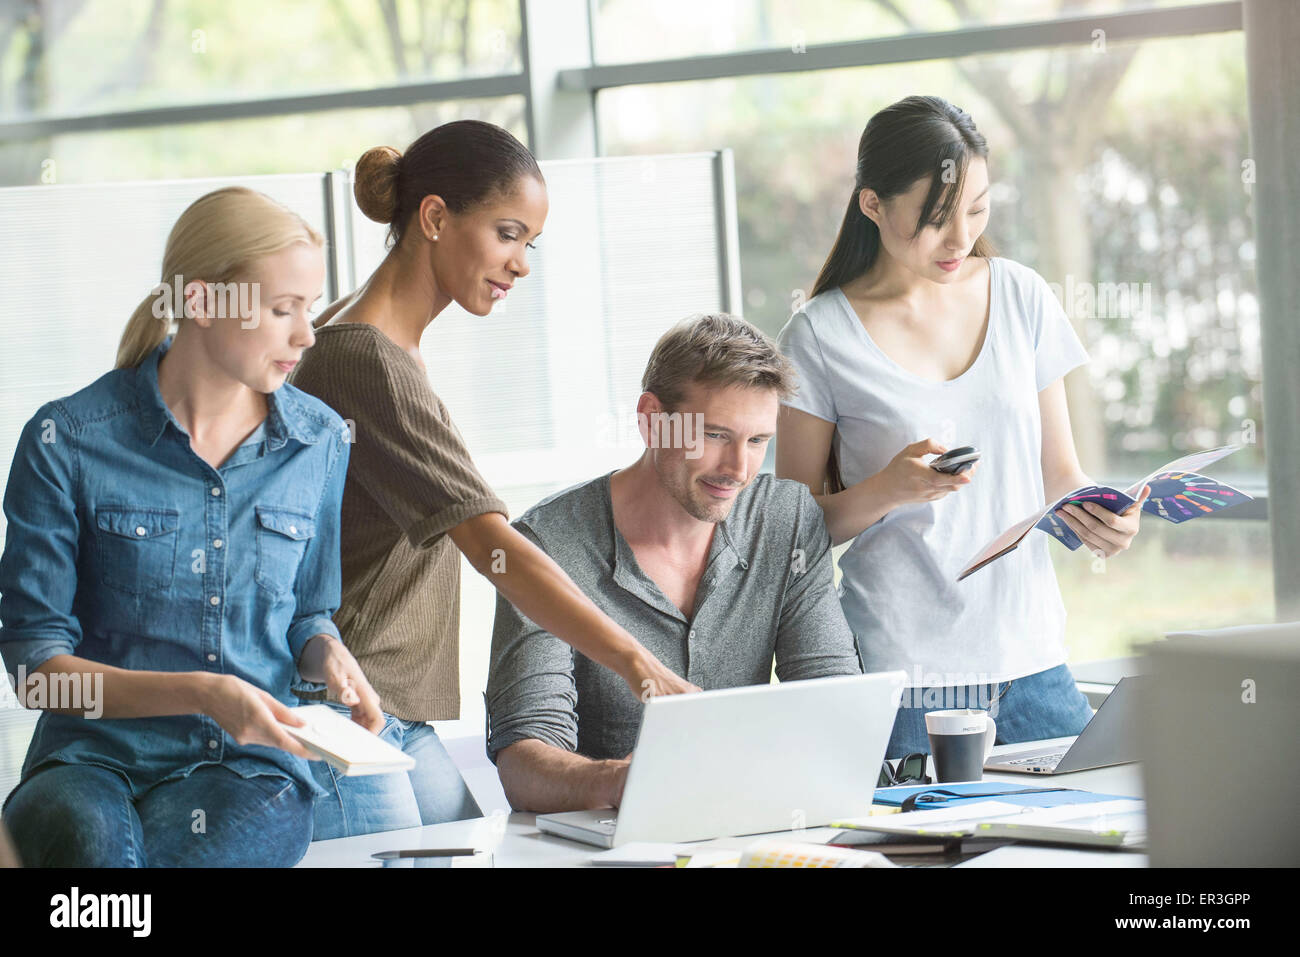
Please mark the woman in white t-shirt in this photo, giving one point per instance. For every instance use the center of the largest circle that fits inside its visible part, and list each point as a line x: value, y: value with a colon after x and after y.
x: 918, y: 339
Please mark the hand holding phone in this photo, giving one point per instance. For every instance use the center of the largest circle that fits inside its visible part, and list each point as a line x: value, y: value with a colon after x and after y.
x: 956, y: 461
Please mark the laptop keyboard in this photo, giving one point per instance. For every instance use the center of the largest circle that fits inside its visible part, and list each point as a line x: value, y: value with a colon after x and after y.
x: 1046, y: 760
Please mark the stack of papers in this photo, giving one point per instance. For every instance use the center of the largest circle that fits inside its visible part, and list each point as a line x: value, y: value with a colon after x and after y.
x: 770, y: 852
x: 1115, y: 823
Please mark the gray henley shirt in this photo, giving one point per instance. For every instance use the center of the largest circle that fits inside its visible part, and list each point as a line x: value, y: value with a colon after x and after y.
x: 766, y: 593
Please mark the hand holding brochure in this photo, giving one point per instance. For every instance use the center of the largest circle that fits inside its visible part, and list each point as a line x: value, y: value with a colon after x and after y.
x: 1178, y: 494
x: 345, y: 744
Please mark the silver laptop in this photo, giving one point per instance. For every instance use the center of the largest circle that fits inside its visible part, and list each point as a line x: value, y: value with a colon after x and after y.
x: 748, y: 761
x: 1109, y: 738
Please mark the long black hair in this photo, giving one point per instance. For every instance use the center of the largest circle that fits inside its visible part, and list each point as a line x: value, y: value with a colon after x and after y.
x: 915, y: 138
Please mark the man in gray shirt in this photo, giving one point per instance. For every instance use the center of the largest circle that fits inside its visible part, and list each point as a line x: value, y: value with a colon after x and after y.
x: 717, y: 569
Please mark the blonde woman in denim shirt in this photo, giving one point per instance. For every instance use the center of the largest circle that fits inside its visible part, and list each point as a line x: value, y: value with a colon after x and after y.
x: 172, y: 553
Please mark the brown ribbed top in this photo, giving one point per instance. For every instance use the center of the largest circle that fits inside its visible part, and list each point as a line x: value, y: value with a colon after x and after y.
x: 410, y: 480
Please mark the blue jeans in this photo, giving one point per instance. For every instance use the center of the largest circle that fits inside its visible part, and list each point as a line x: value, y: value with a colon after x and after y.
x: 83, y: 815
x: 1043, y: 705
x: 431, y: 793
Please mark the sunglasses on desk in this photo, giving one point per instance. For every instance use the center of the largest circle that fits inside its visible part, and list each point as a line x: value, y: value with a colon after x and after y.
x: 909, y: 770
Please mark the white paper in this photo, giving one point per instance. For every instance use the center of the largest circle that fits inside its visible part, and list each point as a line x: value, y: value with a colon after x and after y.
x: 961, y: 818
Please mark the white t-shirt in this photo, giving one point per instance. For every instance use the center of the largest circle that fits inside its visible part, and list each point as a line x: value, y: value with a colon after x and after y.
x: 899, y: 589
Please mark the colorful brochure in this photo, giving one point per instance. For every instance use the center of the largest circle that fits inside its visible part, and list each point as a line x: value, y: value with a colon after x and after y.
x: 1178, y: 494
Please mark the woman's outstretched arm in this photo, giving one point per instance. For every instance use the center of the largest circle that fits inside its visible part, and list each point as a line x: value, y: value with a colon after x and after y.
x: 532, y: 582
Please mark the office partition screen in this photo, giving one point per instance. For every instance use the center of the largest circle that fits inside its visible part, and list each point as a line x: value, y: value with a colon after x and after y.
x: 75, y: 261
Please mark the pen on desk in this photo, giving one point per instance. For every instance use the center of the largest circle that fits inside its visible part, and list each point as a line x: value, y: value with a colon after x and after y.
x: 425, y: 852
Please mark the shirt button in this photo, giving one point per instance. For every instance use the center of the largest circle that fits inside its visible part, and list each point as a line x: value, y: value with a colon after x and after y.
x: 216, y: 492
x: 216, y: 543
x: 141, y: 530
x: 692, y: 634
x: 212, y: 744
x: 293, y: 529
x: 212, y: 657
x: 214, y: 600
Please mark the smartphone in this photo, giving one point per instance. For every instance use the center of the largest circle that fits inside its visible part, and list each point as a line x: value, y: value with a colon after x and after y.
x: 956, y: 461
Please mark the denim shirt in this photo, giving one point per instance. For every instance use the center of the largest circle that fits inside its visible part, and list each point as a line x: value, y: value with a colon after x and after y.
x: 126, y: 548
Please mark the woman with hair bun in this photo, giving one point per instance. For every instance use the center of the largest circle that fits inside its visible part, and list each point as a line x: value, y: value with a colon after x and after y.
x: 462, y: 205
x: 171, y: 567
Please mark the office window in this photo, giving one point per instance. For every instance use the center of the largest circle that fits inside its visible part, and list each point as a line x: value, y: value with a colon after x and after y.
x: 70, y: 57
x: 293, y: 143
x: 1123, y: 171
x: 627, y: 31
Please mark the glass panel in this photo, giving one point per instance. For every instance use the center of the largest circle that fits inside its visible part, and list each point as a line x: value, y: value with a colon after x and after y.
x: 628, y: 31
x: 1122, y: 174
x: 293, y: 143
x: 1209, y: 574
x: 74, y: 57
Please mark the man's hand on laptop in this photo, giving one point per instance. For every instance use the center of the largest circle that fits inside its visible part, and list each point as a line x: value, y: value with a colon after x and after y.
x: 649, y: 678
x: 618, y: 778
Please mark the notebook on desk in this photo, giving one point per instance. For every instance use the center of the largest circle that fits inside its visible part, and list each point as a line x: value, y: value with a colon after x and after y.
x: 1119, y: 824
x: 1116, y: 823
x: 1029, y: 794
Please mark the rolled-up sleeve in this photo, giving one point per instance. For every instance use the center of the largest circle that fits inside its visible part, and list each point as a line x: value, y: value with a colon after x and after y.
x: 318, y: 586
x: 531, y: 692
x: 813, y: 638
x: 38, y: 571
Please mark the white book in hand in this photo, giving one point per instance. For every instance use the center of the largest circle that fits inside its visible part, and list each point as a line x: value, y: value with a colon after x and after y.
x: 345, y: 744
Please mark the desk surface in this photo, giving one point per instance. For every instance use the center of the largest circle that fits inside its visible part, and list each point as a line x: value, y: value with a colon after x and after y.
x: 515, y: 841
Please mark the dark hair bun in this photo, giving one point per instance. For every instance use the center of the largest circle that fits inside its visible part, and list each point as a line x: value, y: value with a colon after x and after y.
x: 374, y: 183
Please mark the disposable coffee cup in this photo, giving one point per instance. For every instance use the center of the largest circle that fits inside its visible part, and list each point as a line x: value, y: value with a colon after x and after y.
x: 960, y: 740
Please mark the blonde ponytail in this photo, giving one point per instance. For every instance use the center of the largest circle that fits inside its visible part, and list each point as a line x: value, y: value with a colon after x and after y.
x: 217, y: 239
x: 145, y: 332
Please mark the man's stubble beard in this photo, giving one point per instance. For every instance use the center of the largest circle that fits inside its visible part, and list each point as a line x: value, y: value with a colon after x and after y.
x: 702, y: 511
